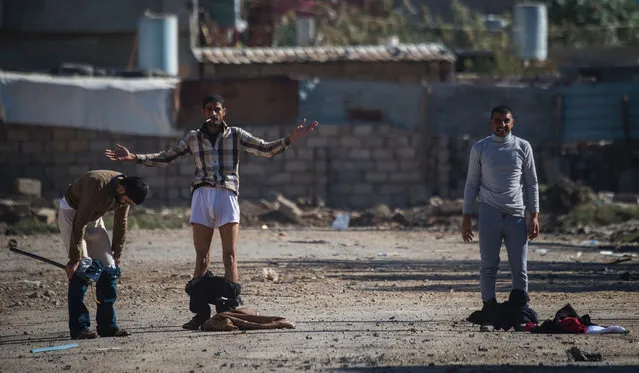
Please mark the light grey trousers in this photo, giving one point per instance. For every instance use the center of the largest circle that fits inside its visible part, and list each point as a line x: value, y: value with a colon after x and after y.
x: 496, y: 227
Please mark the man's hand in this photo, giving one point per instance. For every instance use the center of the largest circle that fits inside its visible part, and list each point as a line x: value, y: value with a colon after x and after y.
x: 534, y: 226
x: 302, y: 129
x: 116, y: 259
x: 71, y: 267
x: 120, y: 154
x: 467, y: 229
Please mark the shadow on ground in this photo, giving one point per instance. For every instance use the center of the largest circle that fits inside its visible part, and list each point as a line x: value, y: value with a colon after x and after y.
x: 577, y: 368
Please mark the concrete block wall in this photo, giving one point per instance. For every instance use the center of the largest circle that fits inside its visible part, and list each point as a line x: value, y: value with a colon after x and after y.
x: 349, y: 166
x: 57, y: 155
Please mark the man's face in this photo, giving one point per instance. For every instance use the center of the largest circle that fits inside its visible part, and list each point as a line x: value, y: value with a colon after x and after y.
x: 122, y: 197
x: 501, y: 124
x: 214, y: 111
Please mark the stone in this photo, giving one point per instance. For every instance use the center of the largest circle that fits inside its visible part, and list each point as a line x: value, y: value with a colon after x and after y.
x: 45, y: 215
x: 28, y: 187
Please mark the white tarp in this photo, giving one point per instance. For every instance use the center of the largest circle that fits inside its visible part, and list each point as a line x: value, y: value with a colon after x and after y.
x: 143, y: 106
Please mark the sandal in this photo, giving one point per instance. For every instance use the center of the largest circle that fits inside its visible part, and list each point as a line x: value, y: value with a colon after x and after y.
x: 116, y: 333
x: 85, y: 334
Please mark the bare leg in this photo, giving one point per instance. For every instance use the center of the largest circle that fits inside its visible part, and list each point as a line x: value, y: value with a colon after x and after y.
x: 202, y: 236
x: 228, y: 235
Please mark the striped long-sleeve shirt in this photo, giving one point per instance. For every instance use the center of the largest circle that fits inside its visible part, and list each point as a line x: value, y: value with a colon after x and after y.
x: 216, y: 159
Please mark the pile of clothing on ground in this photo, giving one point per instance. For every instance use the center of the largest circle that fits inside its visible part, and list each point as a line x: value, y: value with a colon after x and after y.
x: 515, y: 313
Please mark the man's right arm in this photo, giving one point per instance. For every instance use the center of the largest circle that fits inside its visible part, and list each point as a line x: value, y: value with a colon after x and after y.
x: 473, y: 179
x: 162, y: 159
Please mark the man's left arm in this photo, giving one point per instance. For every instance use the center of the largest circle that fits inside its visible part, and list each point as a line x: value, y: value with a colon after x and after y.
x: 531, y: 190
x: 120, y: 220
x: 268, y: 149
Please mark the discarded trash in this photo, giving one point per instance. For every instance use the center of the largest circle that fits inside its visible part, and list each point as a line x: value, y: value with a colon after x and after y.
x: 540, y: 251
x: 341, y: 222
x: 108, y: 348
x: 264, y: 227
x: 387, y: 254
x: 589, y: 243
x: 54, y: 348
x: 610, y: 253
x: 269, y: 274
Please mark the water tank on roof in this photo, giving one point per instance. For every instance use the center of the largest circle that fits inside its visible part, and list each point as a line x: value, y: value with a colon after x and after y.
x: 158, y: 43
x: 531, y: 31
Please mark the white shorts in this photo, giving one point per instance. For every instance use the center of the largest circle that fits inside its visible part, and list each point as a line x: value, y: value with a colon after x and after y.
x: 214, y: 207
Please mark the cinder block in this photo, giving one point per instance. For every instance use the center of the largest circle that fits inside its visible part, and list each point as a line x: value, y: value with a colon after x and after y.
x: 63, y: 159
x: 32, y: 147
x: 78, y: 169
x: 363, y: 154
x: 352, y: 142
x: 409, y: 165
x: 340, y: 189
x: 28, y: 187
x: 247, y: 169
x: 391, y: 189
x: 293, y: 191
x: 403, y: 177
x: 305, y: 178
x: 362, y: 189
x: 376, y: 176
x: 77, y: 146
x: 279, y: 179
x: 363, y: 130
x: 375, y: 143
x: 304, y: 154
x: 317, y: 142
x: 386, y: 166
x: 406, y: 153
x: 328, y: 130
x: 87, y: 135
x: 382, y: 154
x: 63, y: 134
x: 296, y: 166
x: 17, y: 134
x: 399, y: 142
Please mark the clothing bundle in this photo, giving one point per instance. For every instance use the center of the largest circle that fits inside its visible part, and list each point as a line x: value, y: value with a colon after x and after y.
x: 514, y: 313
x: 567, y: 321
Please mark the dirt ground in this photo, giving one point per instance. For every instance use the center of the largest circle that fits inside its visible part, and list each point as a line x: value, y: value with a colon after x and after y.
x: 354, y: 309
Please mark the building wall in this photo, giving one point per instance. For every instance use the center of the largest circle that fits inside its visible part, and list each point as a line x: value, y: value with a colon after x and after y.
x: 464, y: 110
x: 260, y: 101
x: 340, y: 101
x: 354, y: 166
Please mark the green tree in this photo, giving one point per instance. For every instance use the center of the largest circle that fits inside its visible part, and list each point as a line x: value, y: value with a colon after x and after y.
x: 593, y: 22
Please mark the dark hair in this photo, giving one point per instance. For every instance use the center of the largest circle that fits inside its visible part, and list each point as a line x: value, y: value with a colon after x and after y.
x: 501, y: 109
x: 214, y: 98
x: 135, y: 188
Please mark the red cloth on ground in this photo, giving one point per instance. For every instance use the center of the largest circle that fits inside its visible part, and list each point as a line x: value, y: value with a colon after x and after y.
x: 572, y: 325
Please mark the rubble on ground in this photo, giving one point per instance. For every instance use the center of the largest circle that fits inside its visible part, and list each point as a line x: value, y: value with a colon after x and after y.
x: 275, y: 210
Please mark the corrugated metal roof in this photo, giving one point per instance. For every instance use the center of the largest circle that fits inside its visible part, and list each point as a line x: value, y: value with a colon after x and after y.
x: 368, y: 53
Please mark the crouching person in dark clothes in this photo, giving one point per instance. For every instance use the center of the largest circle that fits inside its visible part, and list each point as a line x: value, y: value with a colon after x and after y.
x: 501, y: 172
x: 91, y: 255
x: 215, y: 290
